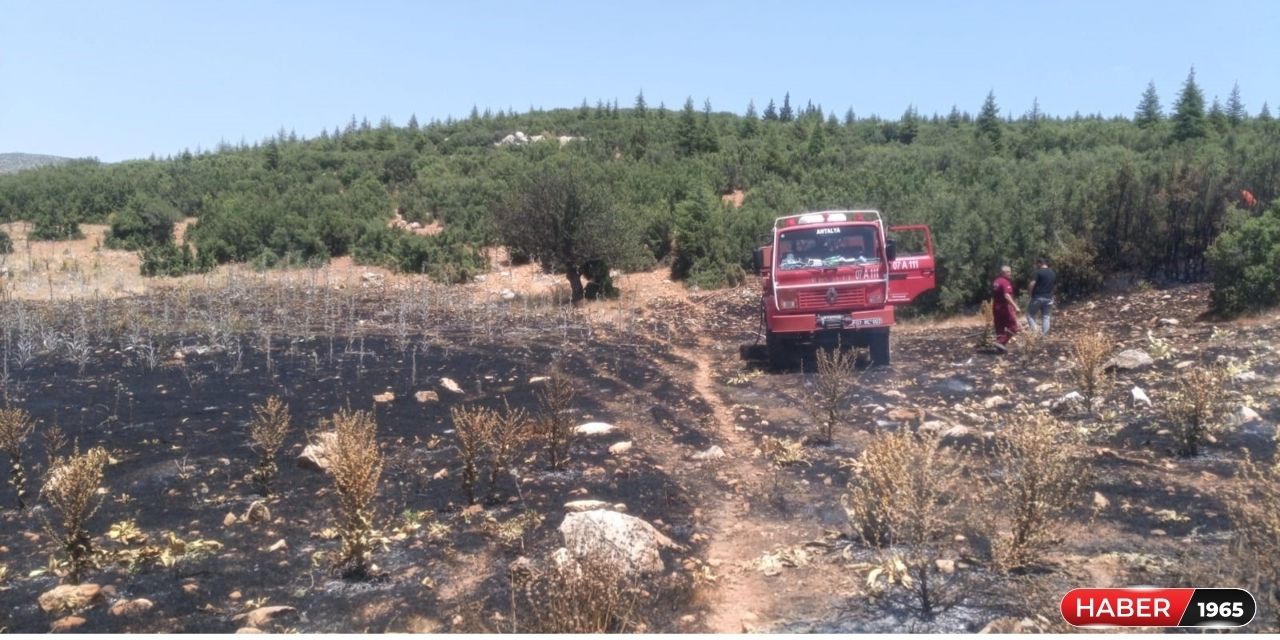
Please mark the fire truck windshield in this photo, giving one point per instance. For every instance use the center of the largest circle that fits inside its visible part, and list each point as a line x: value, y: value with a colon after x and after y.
x: 827, y: 247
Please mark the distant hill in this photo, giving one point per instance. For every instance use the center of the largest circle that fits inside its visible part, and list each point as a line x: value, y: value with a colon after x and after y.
x: 15, y: 162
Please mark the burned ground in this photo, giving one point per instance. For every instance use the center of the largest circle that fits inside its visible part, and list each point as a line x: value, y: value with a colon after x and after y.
x: 167, y: 383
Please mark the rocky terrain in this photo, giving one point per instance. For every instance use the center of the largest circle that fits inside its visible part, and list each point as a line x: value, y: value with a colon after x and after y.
x: 15, y: 162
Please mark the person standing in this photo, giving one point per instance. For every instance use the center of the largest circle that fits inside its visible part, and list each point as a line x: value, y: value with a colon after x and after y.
x: 1004, y: 309
x: 1041, y: 296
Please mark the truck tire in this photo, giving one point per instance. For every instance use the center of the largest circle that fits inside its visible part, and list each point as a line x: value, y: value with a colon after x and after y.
x: 878, y: 345
x: 779, y: 352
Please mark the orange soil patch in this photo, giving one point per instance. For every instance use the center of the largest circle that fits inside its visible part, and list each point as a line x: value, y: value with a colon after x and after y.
x: 734, y: 198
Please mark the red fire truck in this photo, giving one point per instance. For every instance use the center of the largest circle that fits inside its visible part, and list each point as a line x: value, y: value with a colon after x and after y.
x: 834, y: 277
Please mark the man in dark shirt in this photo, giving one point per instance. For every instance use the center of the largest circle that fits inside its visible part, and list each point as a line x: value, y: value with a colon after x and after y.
x: 1041, y: 296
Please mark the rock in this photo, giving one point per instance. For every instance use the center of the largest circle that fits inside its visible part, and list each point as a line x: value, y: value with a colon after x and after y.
x: 449, y: 384
x: 537, y: 379
x: 1159, y: 533
x: 945, y: 566
x: 315, y: 456
x: 902, y: 414
x: 1184, y: 364
x: 371, y: 277
x: 1072, y: 402
x: 235, y: 595
x: 66, y: 624
x: 620, y: 448
x: 248, y: 630
x: 1246, y: 376
x: 257, y: 512
x: 385, y: 397
x: 1169, y: 322
x: 426, y: 396
x: 934, y: 426
x: 714, y: 452
x: 1129, y: 360
x: 628, y: 543
x: 280, y: 545
x: 228, y: 519
x: 69, y: 597
x: 1100, y: 501
x: 594, y: 429
x: 1045, y: 388
x: 481, y: 278
x: 440, y: 475
x: 1246, y: 415
x: 994, y: 402
x: 578, y: 506
x: 131, y: 608
x: 262, y: 615
x: 507, y: 295
x: 1140, y: 396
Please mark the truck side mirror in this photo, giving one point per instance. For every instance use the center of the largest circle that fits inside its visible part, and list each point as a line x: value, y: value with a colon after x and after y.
x: 757, y: 260
x: 891, y: 250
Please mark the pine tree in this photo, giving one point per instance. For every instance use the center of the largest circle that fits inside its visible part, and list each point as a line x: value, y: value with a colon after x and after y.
x: 1148, y: 113
x: 687, y: 129
x: 748, y: 126
x: 786, y: 115
x: 771, y: 111
x: 909, y: 127
x: 849, y: 117
x: 584, y: 110
x: 989, y: 120
x: 707, y: 139
x: 1264, y: 114
x: 1216, y: 117
x: 640, y: 110
x: 817, y: 142
x: 954, y: 119
x: 1188, y: 115
x: 413, y: 122
x: 1235, y: 107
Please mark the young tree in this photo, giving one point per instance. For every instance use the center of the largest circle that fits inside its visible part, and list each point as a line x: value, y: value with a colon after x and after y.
x: 1188, y: 115
x: 786, y: 115
x: 1148, y: 113
x: 1264, y: 114
x: 1217, y: 118
x: 909, y: 126
x: 849, y: 117
x: 771, y: 111
x: 641, y: 109
x: 748, y: 126
x: 562, y: 217
x: 687, y: 129
x: 707, y: 140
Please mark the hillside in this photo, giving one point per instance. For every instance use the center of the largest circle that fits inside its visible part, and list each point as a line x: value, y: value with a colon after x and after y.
x: 15, y: 162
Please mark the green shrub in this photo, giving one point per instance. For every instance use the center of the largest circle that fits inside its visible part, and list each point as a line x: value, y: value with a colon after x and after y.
x: 1246, y: 263
x: 1076, y: 264
x: 171, y: 260
x: 144, y: 221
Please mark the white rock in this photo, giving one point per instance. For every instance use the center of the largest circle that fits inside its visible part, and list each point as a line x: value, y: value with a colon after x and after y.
x: 619, y: 448
x: 714, y: 452
x: 1169, y: 322
x: 994, y: 402
x: 1071, y: 402
x: 594, y: 429
x: 1246, y: 415
x: 1140, y: 396
x: 1130, y: 360
x: 507, y: 294
x: 631, y: 545
x: 578, y: 506
x: 450, y: 385
x: 481, y: 278
x: 315, y: 456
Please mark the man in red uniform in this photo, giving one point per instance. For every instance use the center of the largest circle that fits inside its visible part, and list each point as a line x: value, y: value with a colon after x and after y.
x: 1004, y: 308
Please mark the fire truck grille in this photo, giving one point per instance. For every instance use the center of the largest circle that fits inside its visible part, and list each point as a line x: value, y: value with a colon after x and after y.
x: 813, y: 299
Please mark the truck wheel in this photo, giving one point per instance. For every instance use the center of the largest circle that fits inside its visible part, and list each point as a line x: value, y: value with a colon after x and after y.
x: 878, y: 345
x: 779, y: 352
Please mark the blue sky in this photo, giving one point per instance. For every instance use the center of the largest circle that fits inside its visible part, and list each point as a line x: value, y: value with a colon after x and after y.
x: 120, y: 80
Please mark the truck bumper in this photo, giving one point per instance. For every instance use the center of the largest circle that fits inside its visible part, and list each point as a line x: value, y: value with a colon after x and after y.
x: 805, y: 325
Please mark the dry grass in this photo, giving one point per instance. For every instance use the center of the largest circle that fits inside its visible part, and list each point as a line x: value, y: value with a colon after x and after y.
x: 1042, y: 469
x: 472, y: 429
x: 1197, y: 408
x: 833, y: 383
x: 906, y: 494
x: 555, y: 420
x: 15, y: 426
x: 507, y: 438
x: 1254, y: 506
x: 267, y: 432
x: 356, y: 467
x: 70, y: 489
x: 1089, y: 353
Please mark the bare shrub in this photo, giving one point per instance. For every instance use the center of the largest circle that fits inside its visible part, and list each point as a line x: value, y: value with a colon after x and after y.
x: 583, y: 595
x: 507, y: 438
x: 987, y: 337
x: 832, y: 385
x: 1197, y: 408
x: 555, y: 419
x: 1253, y: 503
x: 1089, y: 353
x: 1041, y: 472
x: 905, y: 494
x: 15, y: 426
x: 267, y: 432
x: 472, y: 428
x: 356, y: 467
x: 70, y: 488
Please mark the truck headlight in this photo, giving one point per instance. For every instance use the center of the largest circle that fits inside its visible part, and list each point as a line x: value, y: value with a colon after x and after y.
x: 787, y: 300
x: 876, y: 296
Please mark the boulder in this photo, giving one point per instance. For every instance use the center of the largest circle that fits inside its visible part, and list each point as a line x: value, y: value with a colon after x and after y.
x: 578, y: 506
x: 994, y: 402
x: 450, y: 385
x: 131, y: 608
x: 426, y: 396
x: 385, y: 397
x: 67, y: 624
x: 70, y: 597
x: 1246, y: 415
x: 1129, y: 360
x: 620, y: 448
x: 631, y: 545
x: 1140, y: 396
x: 1070, y: 403
x: 594, y: 429
x: 507, y: 295
x: 315, y: 456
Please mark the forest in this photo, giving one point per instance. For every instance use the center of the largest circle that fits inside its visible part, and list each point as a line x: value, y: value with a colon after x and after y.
x: 589, y: 189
